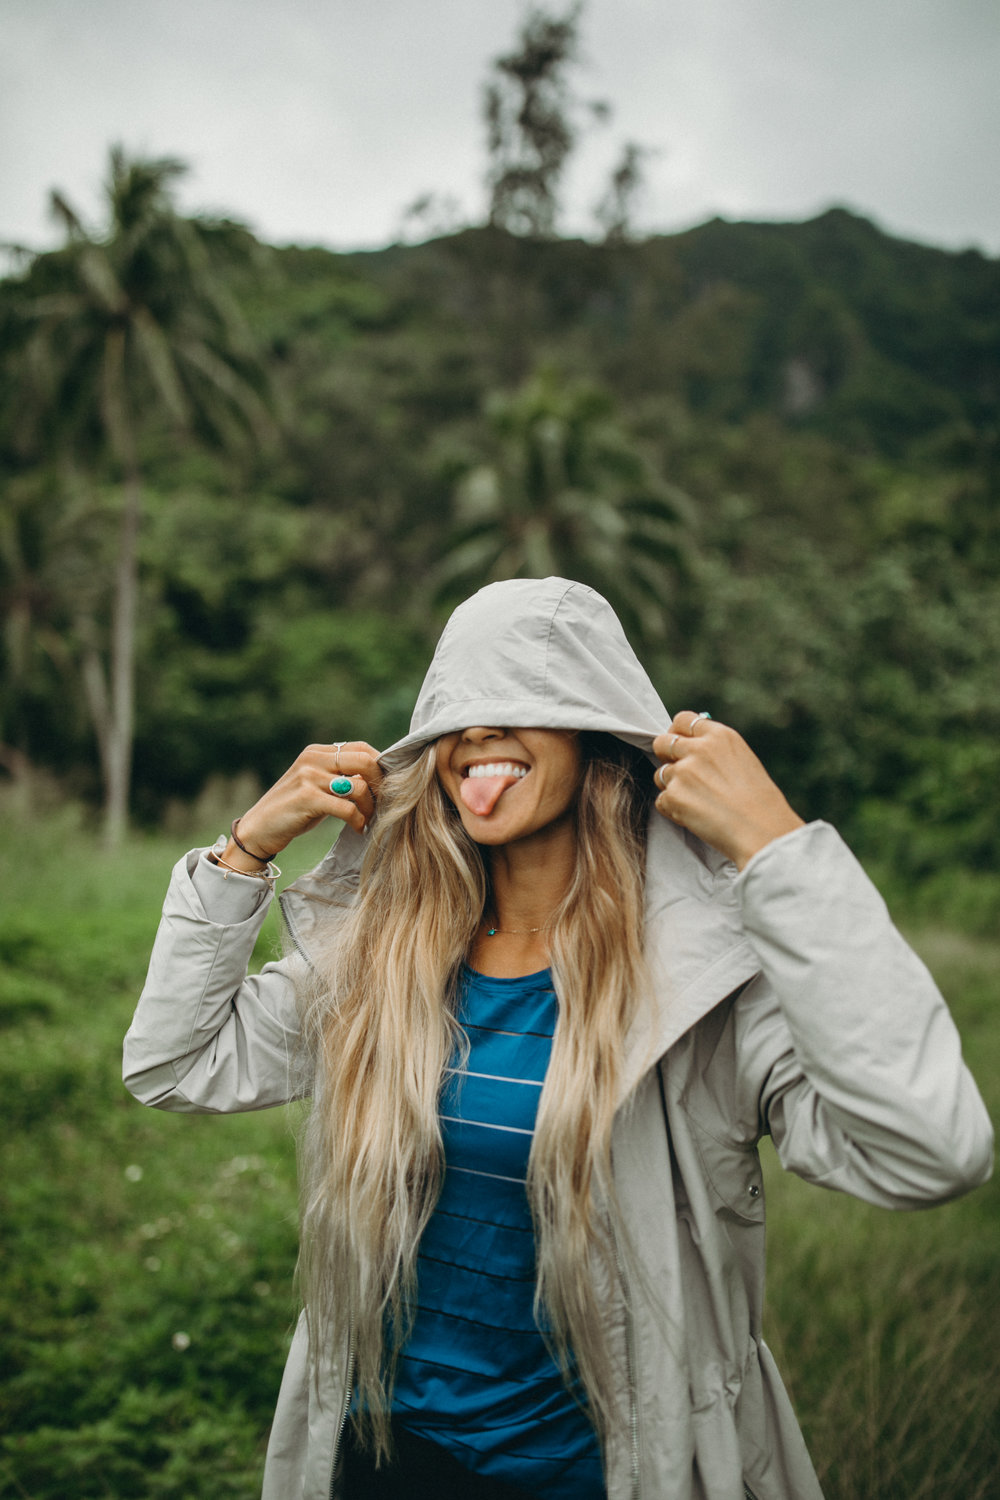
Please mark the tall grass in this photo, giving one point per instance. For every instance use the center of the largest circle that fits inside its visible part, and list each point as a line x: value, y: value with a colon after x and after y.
x: 886, y: 1325
x: 146, y: 1297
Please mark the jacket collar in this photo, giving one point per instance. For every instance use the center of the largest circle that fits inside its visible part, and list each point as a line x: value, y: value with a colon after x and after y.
x: 697, y: 952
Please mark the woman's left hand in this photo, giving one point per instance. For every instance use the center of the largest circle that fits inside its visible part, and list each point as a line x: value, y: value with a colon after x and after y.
x: 712, y: 783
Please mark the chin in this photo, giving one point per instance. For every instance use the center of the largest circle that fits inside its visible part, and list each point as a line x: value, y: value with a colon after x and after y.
x: 481, y: 831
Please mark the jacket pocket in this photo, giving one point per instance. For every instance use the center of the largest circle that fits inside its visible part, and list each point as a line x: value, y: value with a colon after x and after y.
x: 733, y: 1174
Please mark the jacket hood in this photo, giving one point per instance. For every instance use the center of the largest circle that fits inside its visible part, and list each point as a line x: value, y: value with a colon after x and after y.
x: 551, y: 654
x: 534, y: 653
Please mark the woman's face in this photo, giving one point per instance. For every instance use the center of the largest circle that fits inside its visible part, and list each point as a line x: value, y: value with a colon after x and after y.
x: 510, y: 783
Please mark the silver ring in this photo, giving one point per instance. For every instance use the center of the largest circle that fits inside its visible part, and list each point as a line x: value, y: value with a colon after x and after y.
x: 698, y: 718
x: 338, y: 746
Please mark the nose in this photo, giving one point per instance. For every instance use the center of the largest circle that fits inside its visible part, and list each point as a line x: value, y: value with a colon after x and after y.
x: 481, y: 734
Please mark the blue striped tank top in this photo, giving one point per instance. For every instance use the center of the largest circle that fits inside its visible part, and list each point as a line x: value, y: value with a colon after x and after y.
x: 475, y: 1375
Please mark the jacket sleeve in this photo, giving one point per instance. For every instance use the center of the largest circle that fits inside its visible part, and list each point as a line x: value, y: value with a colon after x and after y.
x: 855, y: 1059
x: 206, y: 1036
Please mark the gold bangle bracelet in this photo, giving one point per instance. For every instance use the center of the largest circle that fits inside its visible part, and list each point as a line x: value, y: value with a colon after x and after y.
x: 269, y: 873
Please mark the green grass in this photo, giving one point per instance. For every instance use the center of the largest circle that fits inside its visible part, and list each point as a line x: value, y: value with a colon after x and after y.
x: 885, y: 1325
x: 147, y: 1278
x: 147, y: 1300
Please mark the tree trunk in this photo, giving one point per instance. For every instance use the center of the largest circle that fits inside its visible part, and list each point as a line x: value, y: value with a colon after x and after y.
x: 120, y: 728
x: 95, y: 690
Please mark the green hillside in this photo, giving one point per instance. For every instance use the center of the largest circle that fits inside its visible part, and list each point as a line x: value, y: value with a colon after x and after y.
x: 773, y: 445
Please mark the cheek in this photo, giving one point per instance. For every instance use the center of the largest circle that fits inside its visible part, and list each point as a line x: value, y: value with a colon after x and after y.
x: 572, y: 773
x: 560, y: 796
x: 449, y: 786
x: 447, y: 779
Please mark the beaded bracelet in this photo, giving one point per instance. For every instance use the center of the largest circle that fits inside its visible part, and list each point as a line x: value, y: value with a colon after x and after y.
x: 263, y: 859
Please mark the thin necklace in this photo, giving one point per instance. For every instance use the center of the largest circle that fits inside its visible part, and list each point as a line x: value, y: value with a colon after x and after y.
x: 518, y: 931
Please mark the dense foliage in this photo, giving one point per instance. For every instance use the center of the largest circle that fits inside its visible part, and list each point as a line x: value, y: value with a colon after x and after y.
x: 774, y: 446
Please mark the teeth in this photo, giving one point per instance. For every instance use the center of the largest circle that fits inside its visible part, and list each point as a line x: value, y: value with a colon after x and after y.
x: 499, y: 768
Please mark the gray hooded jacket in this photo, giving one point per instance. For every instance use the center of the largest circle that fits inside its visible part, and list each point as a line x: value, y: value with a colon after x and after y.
x: 784, y: 1002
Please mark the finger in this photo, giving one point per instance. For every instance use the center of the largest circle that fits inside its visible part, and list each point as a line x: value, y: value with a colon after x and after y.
x: 349, y: 758
x: 690, y: 723
x: 358, y: 758
x: 354, y: 789
x: 364, y: 799
x: 671, y: 746
x: 347, y: 752
x: 343, y: 805
x: 666, y: 805
x: 352, y: 750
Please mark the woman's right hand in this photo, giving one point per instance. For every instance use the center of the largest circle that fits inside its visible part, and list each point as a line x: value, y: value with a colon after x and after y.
x: 302, y: 798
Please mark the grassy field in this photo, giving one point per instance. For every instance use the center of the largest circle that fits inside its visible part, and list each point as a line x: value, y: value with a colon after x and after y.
x: 147, y: 1258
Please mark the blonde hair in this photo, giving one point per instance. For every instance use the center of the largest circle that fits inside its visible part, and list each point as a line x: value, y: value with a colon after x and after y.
x: 379, y: 1015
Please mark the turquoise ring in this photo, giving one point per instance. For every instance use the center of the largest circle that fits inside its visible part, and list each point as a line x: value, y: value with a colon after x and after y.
x: 341, y: 785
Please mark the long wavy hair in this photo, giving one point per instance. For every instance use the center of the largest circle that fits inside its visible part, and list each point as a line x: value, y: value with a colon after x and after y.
x: 379, y: 1012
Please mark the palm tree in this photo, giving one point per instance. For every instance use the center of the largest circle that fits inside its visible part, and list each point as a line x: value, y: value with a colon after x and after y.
x: 567, y: 491
x: 118, y: 333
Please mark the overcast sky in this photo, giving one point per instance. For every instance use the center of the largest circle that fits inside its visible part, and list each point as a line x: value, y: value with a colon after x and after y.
x: 319, y: 121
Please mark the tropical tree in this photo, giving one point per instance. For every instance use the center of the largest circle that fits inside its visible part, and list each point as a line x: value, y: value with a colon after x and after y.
x: 615, y: 211
x: 565, y: 489
x: 118, y: 336
x: 53, y: 551
x: 531, y: 117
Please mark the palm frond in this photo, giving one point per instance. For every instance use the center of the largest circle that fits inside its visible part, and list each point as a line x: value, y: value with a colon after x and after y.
x: 158, y: 359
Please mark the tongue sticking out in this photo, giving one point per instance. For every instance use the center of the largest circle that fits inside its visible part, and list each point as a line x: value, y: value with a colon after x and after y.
x: 482, y: 793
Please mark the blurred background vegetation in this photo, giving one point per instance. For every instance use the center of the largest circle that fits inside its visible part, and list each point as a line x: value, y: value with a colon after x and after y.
x: 241, y: 487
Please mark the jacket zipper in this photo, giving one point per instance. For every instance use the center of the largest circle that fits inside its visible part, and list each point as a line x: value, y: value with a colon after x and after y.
x: 343, y: 1416
x: 633, y: 1409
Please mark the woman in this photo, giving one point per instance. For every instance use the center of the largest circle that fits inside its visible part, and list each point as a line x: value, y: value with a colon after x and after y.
x: 542, y: 962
